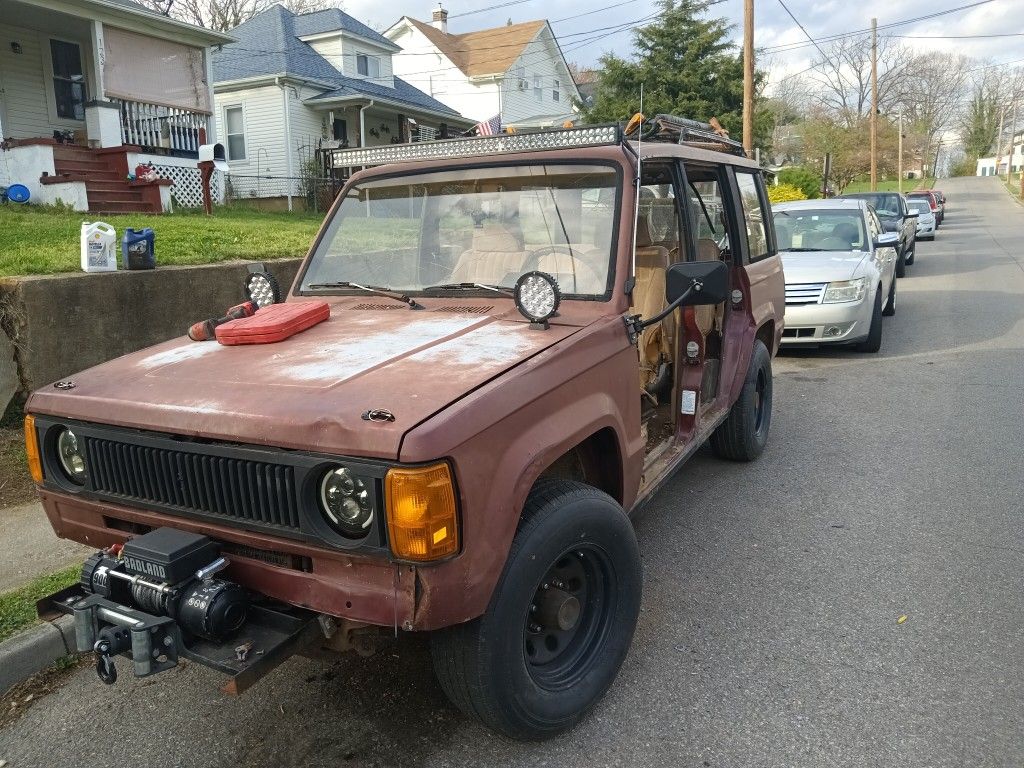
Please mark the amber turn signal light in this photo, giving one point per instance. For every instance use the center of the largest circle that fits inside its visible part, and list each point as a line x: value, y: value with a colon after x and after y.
x: 35, y: 464
x: 422, y: 519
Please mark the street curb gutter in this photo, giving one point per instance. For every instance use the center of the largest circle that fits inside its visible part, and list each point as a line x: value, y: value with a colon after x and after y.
x: 34, y: 650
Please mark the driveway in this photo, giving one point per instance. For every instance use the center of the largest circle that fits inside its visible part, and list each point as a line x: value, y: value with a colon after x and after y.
x: 770, y: 633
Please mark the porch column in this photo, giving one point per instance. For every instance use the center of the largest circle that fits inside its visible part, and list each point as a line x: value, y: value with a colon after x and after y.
x: 102, y: 118
x: 211, y: 121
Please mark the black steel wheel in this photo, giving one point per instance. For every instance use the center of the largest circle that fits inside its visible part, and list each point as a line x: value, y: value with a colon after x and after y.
x: 560, y: 620
x: 744, y: 433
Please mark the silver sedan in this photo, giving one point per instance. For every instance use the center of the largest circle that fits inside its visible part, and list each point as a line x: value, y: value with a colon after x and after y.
x: 840, y: 270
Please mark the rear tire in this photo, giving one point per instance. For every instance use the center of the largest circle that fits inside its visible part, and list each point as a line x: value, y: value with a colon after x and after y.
x: 873, y: 342
x: 890, y: 304
x: 909, y: 259
x: 744, y: 433
x: 559, y: 623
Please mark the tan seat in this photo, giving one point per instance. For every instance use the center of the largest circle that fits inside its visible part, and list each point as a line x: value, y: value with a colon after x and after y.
x: 496, y: 253
x: 648, y: 300
x: 707, y: 314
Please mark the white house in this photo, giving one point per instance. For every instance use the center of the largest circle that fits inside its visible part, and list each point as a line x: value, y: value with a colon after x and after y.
x: 89, y: 89
x: 295, y: 83
x: 1015, y: 157
x: 517, y: 71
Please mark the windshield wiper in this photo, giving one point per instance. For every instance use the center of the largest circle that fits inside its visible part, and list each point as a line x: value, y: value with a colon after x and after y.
x: 468, y: 287
x: 370, y: 289
x: 800, y: 250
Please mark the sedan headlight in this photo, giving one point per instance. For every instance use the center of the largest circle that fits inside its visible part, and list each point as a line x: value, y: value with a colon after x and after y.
x: 71, y: 456
x: 845, y: 290
x: 346, y: 503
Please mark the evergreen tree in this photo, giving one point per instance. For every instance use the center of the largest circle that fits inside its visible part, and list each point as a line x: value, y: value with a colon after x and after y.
x: 981, y: 122
x: 688, y: 67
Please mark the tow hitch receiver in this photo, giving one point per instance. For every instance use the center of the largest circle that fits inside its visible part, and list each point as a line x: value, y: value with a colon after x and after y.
x: 155, y: 600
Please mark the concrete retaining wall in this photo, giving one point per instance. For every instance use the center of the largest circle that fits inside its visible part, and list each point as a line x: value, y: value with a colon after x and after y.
x: 62, y: 324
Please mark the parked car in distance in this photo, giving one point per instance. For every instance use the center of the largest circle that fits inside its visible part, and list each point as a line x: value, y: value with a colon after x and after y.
x: 925, y: 218
x: 892, y: 211
x: 840, y: 270
x: 933, y: 201
x: 455, y: 448
x: 941, y: 197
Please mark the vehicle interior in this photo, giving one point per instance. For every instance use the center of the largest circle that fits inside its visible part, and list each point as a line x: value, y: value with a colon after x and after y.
x: 662, y: 240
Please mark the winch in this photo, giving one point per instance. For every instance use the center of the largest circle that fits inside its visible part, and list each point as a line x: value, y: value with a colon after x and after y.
x: 152, y: 597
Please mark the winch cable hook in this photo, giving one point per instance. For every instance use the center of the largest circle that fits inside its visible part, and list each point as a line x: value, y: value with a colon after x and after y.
x: 105, y: 669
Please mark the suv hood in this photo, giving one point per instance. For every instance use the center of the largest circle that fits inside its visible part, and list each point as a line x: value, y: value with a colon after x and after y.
x: 821, y: 266
x: 307, y: 392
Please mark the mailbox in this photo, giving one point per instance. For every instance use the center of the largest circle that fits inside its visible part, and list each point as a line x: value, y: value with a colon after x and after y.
x: 213, y: 153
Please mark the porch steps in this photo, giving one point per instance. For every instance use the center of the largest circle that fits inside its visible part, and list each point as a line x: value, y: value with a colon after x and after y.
x: 105, y: 176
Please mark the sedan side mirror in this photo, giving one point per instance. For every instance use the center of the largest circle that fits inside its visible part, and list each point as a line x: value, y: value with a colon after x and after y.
x: 697, y: 282
x: 887, y: 240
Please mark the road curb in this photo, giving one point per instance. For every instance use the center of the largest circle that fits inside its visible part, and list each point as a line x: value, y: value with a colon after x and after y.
x: 34, y: 650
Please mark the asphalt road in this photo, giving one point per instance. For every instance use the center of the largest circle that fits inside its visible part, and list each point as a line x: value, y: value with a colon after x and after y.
x: 769, y: 634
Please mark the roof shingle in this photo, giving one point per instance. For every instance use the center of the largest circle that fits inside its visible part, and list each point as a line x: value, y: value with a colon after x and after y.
x: 485, y: 51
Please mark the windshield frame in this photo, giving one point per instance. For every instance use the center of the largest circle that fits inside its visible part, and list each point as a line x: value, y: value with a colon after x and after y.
x: 480, y: 164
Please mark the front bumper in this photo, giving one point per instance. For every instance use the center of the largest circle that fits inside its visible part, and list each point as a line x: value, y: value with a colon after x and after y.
x: 325, y: 580
x: 816, y: 324
x: 926, y: 229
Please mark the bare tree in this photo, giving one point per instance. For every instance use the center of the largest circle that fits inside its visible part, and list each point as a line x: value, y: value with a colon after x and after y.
x: 843, y: 76
x: 222, y: 15
x: 934, y: 96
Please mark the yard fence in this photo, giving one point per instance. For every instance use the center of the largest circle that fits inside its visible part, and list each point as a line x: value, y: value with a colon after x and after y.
x: 308, y: 193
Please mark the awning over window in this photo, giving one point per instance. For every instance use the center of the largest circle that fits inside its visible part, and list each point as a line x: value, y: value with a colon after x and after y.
x: 154, y: 71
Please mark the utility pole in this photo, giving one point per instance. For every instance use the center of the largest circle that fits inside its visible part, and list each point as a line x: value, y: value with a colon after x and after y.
x: 999, y: 140
x: 748, y: 77
x: 874, y: 105
x: 899, y: 160
x: 1013, y: 132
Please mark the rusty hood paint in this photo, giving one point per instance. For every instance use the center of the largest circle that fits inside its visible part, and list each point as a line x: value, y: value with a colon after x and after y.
x: 308, y: 392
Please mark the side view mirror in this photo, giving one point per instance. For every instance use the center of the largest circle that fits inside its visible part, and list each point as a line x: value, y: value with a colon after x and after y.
x: 887, y: 240
x: 706, y: 281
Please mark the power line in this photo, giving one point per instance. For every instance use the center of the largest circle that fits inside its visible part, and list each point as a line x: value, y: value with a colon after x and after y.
x: 890, y: 25
x: 488, y: 8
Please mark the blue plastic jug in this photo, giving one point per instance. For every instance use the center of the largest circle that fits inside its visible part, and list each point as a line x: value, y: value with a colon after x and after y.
x: 137, y: 249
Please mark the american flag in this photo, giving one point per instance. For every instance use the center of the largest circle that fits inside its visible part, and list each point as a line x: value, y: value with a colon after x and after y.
x: 489, y: 127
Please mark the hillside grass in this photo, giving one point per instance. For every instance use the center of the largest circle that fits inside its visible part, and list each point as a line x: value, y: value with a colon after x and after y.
x: 909, y: 185
x: 44, y: 241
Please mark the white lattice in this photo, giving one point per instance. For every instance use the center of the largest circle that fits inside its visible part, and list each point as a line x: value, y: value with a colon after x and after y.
x: 187, y: 191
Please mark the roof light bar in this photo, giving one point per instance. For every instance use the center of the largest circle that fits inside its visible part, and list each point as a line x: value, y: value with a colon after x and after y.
x: 587, y: 136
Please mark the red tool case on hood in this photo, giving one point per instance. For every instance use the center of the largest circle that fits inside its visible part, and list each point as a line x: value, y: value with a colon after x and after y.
x: 273, y: 323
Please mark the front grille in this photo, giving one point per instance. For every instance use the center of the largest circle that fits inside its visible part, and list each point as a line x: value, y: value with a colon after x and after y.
x: 798, y: 333
x: 238, y: 489
x: 804, y: 293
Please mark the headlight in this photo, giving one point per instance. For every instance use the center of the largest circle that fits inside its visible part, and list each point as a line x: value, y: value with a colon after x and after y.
x: 72, y: 458
x: 346, y: 503
x: 846, y: 290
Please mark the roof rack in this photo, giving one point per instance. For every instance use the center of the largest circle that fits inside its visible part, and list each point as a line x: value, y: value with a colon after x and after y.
x: 693, y: 133
x: 663, y: 128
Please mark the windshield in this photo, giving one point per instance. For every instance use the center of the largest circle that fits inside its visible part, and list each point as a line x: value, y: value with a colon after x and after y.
x: 488, y: 226
x: 821, y: 230
x: 921, y: 206
x: 885, y: 204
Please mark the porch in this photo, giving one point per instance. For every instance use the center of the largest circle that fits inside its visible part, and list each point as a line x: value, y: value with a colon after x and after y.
x: 89, y: 75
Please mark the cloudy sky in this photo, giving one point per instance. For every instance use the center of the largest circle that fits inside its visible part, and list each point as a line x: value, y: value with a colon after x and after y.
x: 588, y: 28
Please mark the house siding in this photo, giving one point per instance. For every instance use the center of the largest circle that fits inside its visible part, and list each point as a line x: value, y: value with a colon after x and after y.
x: 540, y: 59
x: 23, y: 76
x: 265, y: 148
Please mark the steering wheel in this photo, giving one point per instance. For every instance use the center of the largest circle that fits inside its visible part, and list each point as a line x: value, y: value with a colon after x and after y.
x: 583, y: 272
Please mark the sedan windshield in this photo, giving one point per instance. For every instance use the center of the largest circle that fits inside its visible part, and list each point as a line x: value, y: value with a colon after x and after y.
x: 467, y: 229
x: 921, y: 206
x: 820, y: 230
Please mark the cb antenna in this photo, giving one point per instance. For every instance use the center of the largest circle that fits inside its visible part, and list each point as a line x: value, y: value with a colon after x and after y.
x: 639, y: 119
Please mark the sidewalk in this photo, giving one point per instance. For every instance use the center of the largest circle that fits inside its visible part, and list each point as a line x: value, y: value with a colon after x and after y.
x: 30, y: 548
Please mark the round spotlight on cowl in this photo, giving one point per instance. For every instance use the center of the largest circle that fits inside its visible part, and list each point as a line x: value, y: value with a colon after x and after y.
x: 262, y: 289
x: 537, y: 297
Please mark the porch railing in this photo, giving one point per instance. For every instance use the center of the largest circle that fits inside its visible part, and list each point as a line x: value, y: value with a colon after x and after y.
x: 155, y: 126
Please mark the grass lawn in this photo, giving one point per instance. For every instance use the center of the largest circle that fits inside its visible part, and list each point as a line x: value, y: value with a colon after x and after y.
x: 42, y: 241
x: 18, y: 607
x: 909, y: 185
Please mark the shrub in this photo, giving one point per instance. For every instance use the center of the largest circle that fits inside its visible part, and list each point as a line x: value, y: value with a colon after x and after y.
x: 784, y: 193
x: 806, y: 179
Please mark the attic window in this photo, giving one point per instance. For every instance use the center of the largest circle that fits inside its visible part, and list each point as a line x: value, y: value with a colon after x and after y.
x: 367, y: 66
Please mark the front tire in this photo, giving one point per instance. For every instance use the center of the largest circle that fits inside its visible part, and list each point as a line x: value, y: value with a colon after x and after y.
x: 559, y: 623
x: 901, y: 265
x: 873, y: 342
x: 744, y: 433
x: 909, y: 259
x: 890, y: 304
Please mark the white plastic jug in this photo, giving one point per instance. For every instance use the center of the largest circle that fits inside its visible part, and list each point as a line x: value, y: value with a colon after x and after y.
x: 99, y: 247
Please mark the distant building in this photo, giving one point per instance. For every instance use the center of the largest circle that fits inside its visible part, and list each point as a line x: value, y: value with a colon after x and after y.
x: 517, y: 71
x: 1015, y: 157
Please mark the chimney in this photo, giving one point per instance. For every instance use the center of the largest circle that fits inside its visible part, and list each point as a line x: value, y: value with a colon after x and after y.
x: 440, y: 19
